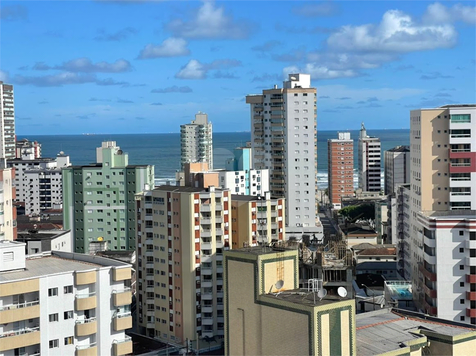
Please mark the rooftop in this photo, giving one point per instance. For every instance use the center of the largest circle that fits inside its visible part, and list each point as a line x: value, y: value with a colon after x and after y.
x: 380, y: 251
x: 57, y: 263
x: 464, y: 214
x: 260, y: 250
x: 400, y: 149
x: 302, y: 296
x: 386, y: 330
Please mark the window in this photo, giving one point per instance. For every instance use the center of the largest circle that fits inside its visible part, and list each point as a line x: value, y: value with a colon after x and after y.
x: 53, y: 343
x: 53, y: 317
x: 68, y: 340
x: 68, y: 289
x: 52, y: 292
x: 68, y: 315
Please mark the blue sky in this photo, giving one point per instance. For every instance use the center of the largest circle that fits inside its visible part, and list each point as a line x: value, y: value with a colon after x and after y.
x: 149, y: 66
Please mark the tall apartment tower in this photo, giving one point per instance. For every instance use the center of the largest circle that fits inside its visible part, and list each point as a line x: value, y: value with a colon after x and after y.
x: 61, y: 303
x: 182, y: 233
x: 369, y: 162
x: 283, y: 138
x: 99, y: 200
x: 397, y: 168
x: 196, y: 141
x: 340, y: 154
x: 7, y: 123
x: 8, y: 213
x: 443, y: 210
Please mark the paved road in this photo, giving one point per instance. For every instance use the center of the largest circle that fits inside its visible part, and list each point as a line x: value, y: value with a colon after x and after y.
x: 327, y: 224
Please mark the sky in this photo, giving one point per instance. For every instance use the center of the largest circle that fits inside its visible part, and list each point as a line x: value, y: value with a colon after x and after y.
x: 148, y: 66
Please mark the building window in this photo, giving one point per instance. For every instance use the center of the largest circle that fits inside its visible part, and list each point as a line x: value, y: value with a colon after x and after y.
x: 68, y: 289
x: 68, y: 315
x: 52, y: 292
x: 68, y: 340
x: 53, y: 317
x: 53, y: 343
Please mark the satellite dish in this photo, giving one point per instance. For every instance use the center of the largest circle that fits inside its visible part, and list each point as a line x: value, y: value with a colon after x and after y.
x: 342, y: 292
x: 322, y: 293
x: 279, y: 284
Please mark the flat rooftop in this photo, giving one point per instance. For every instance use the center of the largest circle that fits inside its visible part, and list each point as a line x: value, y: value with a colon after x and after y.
x: 303, y: 297
x: 57, y: 263
x: 260, y: 250
x: 385, y: 330
x: 465, y: 214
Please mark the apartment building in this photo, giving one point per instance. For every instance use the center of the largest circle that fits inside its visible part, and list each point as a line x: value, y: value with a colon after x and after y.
x: 7, y: 123
x: 62, y: 303
x: 38, y: 182
x: 257, y: 220
x: 340, y: 153
x: 181, y: 235
x: 8, y: 213
x: 99, y: 200
x: 26, y: 149
x: 443, y: 210
x: 397, y: 168
x: 369, y: 162
x: 283, y: 133
x: 196, y: 141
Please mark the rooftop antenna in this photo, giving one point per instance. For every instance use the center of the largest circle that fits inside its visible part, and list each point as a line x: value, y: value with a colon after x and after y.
x: 321, y: 294
x: 342, y: 292
x: 279, y: 284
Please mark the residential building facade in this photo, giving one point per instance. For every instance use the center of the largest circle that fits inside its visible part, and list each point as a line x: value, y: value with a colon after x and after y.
x: 28, y: 149
x: 397, y: 168
x: 196, y: 141
x: 340, y: 167
x: 99, y: 199
x: 182, y: 234
x: 7, y: 123
x: 257, y: 220
x: 369, y: 162
x: 62, y: 303
x: 443, y: 210
x: 8, y: 213
x: 283, y: 132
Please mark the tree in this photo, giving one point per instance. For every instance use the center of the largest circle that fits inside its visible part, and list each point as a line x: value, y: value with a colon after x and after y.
x: 363, y: 211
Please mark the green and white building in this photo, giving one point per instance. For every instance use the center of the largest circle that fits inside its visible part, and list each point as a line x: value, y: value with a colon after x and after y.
x: 98, y: 200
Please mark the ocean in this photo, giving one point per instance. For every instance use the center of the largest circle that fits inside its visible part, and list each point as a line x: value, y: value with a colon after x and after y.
x: 163, y: 150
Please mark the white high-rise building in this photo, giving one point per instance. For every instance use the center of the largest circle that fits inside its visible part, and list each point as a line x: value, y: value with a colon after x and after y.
x: 7, y: 123
x: 60, y: 303
x: 369, y: 162
x: 443, y: 211
x: 196, y: 141
x: 283, y: 139
x: 397, y: 168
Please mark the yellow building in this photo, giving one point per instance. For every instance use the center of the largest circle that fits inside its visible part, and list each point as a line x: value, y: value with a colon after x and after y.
x: 267, y: 314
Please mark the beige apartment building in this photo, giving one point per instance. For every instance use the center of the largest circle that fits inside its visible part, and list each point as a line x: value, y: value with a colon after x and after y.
x: 340, y: 168
x: 257, y: 220
x: 61, y: 303
x: 182, y: 234
x: 443, y: 210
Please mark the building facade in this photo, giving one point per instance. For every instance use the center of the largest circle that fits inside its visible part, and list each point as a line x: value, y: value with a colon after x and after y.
x: 369, y: 162
x: 182, y: 234
x: 340, y: 167
x: 28, y: 149
x: 443, y: 207
x: 397, y: 168
x: 99, y: 199
x: 62, y: 303
x: 257, y: 220
x: 283, y: 132
x: 8, y: 213
x: 39, y: 182
x: 196, y: 141
x: 7, y: 123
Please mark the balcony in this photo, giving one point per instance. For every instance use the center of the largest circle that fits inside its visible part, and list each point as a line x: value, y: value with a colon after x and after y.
x: 207, y: 321
x: 471, y: 312
x: 470, y: 244
x: 429, y: 242
x: 471, y: 278
x: 122, y: 347
x: 429, y: 275
x: 205, y: 208
x: 16, y: 312
x: 205, y: 221
x: 470, y: 261
x: 471, y: 296
x: 86, y: 327
x: 86, y: 301
x: 87, y: 350
x: 429, y: 292
x: 83, y: 278
x: 19, y: 338
x: 123, y: 297
x: 430, y: 309
x: 122, y: 321
x: 430, y: 259
x: 121, y: 274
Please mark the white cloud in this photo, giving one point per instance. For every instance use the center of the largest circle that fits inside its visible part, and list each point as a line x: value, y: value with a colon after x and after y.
x: 192, y: 70
x: 3, y: 76
x: 338, y: 91
x: 396, y: 33
x: 210, y: 22
x: 85, y: 65
x: 320, y: 72
x: 171, y: 47
x: 196, y: 70
x: 55, y: 80
x: 439, y: 13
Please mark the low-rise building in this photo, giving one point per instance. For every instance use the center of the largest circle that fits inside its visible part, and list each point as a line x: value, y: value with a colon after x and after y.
x: 85, y: 303
x: 46, y: 240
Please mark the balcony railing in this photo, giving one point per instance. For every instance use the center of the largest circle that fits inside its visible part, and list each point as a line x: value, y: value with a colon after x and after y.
x: 19, y: 332
x: 20, y: 305
x: 84, y: 347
